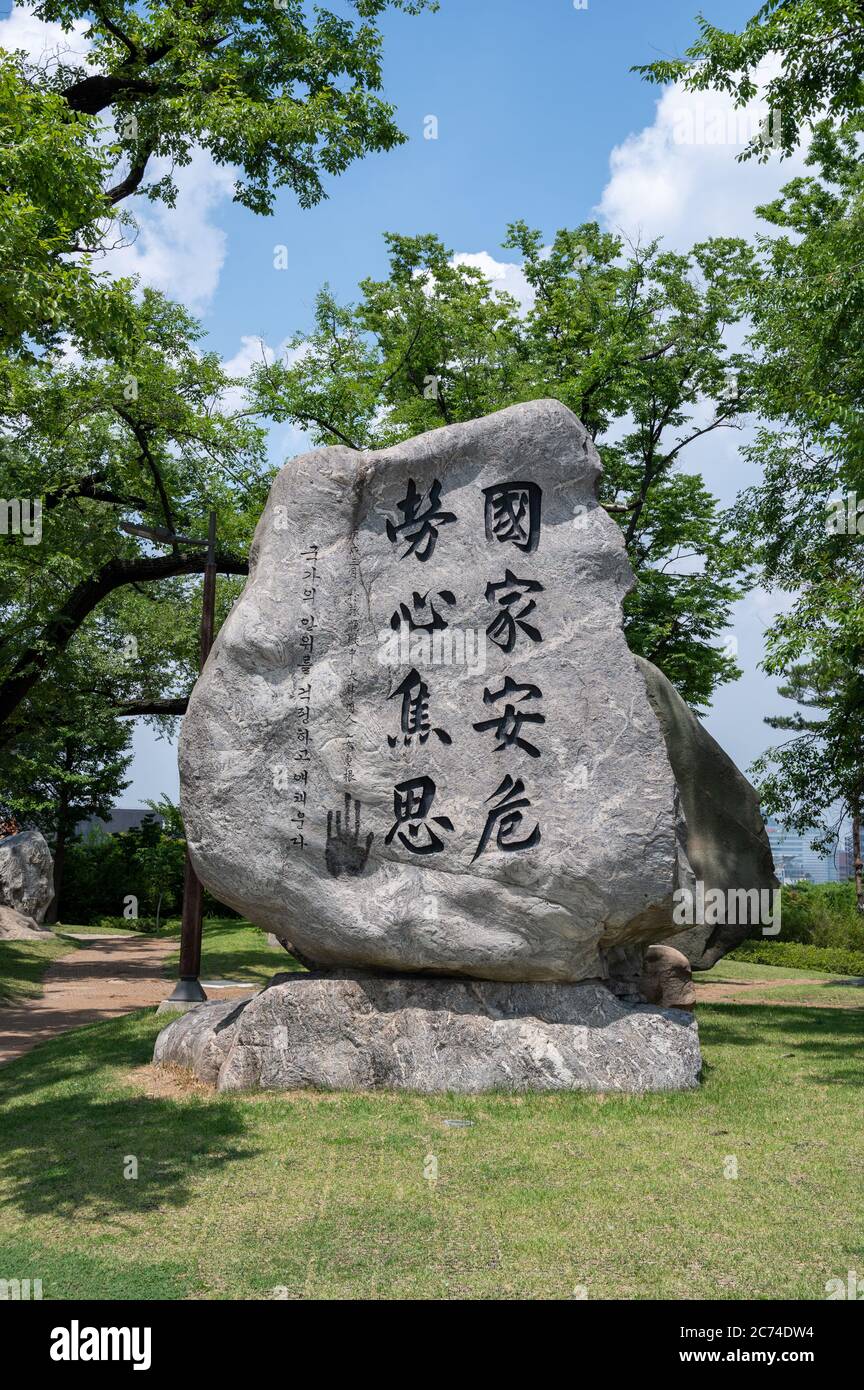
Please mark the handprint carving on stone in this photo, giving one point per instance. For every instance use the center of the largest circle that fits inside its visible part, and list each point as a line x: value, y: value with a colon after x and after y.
x: 344, y: 853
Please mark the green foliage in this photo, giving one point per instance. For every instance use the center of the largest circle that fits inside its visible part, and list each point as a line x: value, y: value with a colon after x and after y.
x: 815, y: 46
x: 822, y: 914
x: 146, y: 441
x: 816, y: 778
x: 51, y: 174
x: 133, y: 428
x: 146, y: 863
x: 630, y: 338
x: 102, y: 870
x: 286, y: 99
x: 833, y: 960
x: 807, y: 308
x: 69, y: 758
x: 148, y: 926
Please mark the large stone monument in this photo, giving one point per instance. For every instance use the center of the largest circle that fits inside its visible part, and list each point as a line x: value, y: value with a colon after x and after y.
x: 422, y: 755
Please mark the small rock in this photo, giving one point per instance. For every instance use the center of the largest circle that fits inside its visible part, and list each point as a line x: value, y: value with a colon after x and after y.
x: 15, y: 926
x: 26, y: 874
x: 667, y: 979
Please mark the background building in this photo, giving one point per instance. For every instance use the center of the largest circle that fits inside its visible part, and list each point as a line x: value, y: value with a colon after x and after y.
x: 795, y: 860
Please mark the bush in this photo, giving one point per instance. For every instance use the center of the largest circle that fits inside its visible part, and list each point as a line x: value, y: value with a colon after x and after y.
x: 146, y: 925
x: 834, y: 960
x: 146, y: 863
x: 823, y: 914
x: 102, y: 871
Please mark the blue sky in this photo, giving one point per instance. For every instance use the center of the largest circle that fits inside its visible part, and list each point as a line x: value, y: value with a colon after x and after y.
x: 530, y: 96
x: 539, y: 117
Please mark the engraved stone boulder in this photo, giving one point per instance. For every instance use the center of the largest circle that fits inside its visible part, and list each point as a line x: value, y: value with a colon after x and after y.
x: 420, y: 742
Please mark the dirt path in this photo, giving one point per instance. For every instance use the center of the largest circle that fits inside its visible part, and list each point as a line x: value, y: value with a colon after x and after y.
x: 759, y: 991
x: 112, y: 976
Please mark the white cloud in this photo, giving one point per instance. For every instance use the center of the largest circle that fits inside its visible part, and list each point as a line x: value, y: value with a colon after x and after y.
x: 180, y: 250
x: 43, y: 42
x: 251, y: 352
x: 679, y: 178
x: 502, y: 275
x: 285, y: 440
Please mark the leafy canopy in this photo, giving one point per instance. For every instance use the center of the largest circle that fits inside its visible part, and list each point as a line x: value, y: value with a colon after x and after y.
x: 819, y: 47
x: 286, y: 98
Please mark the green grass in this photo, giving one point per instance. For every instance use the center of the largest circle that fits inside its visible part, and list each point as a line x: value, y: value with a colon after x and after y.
x: 235, y: 950
x: 324, y: 1194
x: 744, y: 970
x: 63, y: 928
x: 788, y: 985
x: 23, y: 965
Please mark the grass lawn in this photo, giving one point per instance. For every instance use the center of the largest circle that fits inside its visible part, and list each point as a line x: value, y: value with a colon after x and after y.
x: 234, y: 950
x: 63, y: 929
x: 324, y: 1195
x: 23, y: 964
x: 784, y: 985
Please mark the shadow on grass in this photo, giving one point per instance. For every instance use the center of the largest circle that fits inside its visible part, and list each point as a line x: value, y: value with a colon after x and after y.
x: 238, y: 951
x: 23, y: 964
x: 820, y: 1035
x: 70, y: 1130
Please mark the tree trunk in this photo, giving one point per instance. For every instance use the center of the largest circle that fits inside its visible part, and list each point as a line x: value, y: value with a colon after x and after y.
x: 859, y: 867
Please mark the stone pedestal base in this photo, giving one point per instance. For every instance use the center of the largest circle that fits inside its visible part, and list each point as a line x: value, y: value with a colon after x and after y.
x: 356, y: 1032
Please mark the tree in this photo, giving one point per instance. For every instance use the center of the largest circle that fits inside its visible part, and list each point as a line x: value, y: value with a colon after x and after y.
x: 110, y: 415
x: 816, y: 779
x: 285, y: 99
x: 819, y: 45
x: 805, y: 300
x: 807, y: 309
x: 52, y: 169
x: 803, y: 517
x: 128, y: 457
x: 160, y: 860
x: 631, y: 339
x: 68, y: 761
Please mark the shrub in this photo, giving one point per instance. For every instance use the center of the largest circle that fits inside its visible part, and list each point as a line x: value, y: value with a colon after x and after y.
x: 142, y: 924
x: 146, y: 863
x: 823, y: 914
x: 834, y: 960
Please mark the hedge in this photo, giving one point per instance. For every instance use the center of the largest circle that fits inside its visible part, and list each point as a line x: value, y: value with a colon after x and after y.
x: 833, y: 960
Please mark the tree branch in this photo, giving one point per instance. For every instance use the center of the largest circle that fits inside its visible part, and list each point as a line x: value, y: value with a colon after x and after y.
x: 92, y: 487
x: 144, y: 445
x: 132, y: 48
x: 133, y: 708
x: 86, y: 596
x: 132, y: 180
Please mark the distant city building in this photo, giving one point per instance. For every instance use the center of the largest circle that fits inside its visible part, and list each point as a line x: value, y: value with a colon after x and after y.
x: 846, y: 861
x: 122, y: 818
x: 795, y: 861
